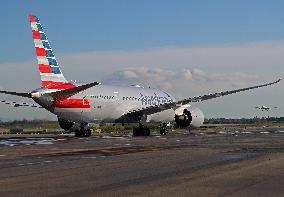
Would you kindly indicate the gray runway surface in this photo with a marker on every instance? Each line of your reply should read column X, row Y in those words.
column 216, row 164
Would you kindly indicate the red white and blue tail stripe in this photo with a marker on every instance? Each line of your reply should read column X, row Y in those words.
column 50, row 73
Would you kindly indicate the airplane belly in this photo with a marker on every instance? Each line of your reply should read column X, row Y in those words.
column 74, row 114
column 106, row 112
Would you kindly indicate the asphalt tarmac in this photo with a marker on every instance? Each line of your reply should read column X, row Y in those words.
column 238, row 163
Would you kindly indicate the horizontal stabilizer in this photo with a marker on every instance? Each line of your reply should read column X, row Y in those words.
column 28, row 95
column 63, row 94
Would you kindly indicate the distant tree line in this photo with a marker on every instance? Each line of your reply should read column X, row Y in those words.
column 254, row 120
column 25, row 122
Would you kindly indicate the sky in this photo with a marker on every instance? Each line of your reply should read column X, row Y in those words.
column 187, row 47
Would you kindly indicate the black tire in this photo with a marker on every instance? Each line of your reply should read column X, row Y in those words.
column 83, row 133
column 78, row 133
column 88, row 133
column 136, row 132
column 163, row 131
column 146, row 131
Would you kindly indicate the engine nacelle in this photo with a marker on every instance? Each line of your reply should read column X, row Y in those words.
column 188, row 115
column 65, row 124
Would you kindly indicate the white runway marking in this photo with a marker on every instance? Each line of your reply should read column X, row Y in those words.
column 114, row 137
column 35, row 163
column 247, row 132
column 47, row 161
column 102, row 156
column 89, row 157
column 27, row 141
column 2, row 155
column 61, row 139
column 264, row 132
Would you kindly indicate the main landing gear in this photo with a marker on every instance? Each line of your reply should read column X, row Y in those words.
column 141, row 130
column 163, row 129
column 83, row 131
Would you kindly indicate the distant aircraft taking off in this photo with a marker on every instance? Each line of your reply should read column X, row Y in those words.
column 262, row 108
column 77, row 105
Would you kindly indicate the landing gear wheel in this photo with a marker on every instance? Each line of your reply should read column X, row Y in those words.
column 83, row 133
column 163, row 130
column 79, row 133
column 88, row 132
column 136, row 131
column 146, row 131
column 141, row 130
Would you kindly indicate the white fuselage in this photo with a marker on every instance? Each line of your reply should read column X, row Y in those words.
column 105, row 103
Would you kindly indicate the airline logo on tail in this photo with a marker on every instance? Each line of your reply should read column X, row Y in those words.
column 51, row 75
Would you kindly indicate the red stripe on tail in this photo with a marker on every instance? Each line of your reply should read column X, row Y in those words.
column 36, row 34
column 40, row 52
column 32, row 18
column 44, row 68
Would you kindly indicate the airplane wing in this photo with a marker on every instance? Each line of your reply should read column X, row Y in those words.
column 216, row 95
column 20, row 104
column 61, row 94
column 173, row 105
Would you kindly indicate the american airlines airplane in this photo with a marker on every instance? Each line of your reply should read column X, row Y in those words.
column 77, row 105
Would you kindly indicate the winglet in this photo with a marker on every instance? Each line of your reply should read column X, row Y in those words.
column 279, row 79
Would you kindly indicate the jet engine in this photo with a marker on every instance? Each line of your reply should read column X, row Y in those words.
column 65, row 124
column 188, row 115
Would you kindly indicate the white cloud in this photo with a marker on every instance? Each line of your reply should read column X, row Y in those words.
column 187, row 74
column 246, row 55
column 178, row 80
